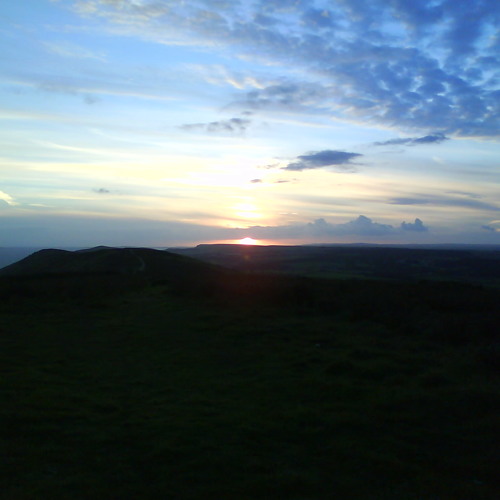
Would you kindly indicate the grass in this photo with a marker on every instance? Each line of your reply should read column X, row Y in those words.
column 153, row 395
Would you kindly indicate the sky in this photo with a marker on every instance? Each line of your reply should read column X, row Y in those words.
column 170, row 122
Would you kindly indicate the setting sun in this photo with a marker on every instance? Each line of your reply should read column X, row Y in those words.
column 248, row 241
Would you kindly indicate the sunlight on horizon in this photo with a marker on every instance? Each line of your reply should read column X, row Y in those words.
column 248, row 241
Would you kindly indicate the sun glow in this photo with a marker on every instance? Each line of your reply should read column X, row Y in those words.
column 248, row 241
column 246, row 210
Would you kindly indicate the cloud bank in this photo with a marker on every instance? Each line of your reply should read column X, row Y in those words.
column 362, row 227
column 56, row 231
column 429, row 65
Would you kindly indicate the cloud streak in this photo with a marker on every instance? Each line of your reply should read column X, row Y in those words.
column 321, row 159
column 231, row 126
column 445, row 201
column 414, row 141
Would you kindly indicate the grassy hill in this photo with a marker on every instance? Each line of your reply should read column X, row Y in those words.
column 135, row 373
column 154, row 264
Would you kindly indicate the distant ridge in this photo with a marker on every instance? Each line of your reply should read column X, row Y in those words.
column 468, row 263
column 415, row 246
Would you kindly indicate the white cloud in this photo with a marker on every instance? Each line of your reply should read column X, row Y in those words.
column 8, row 199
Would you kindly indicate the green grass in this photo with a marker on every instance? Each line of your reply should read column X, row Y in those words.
column 152, row 395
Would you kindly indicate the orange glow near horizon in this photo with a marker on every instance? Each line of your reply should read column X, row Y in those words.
column 248, row 241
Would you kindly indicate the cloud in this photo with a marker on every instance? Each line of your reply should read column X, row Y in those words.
column 231, row 126
column 414, row 141
column 361, row 227
column 60, row 87
column 320, row 159
column 488, row 228
column 270, row 166
column 446, row 201
column 289, row 96
column 465, row 193
column 59, row 231
column 319, row 18
column 417, row 226
column 73, row 51
column 91, row 84
column 7, row 199
column 391, row 63
column 427, row 66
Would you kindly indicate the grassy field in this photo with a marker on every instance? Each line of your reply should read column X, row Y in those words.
column 153, row 393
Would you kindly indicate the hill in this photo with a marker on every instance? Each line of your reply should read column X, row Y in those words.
column 108, row 260
column 138, row 373
column 96, row 273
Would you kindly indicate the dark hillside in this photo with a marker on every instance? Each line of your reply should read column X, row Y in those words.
column 478, row 266
column 137, row 373
column 129, row 261
column 102, row 271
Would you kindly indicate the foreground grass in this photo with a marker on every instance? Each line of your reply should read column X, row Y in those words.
column 152, row 395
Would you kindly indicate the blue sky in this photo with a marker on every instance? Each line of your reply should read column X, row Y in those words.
column 159, row 123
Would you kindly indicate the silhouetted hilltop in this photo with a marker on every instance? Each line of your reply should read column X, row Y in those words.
column 158, row 263
column 105, row 271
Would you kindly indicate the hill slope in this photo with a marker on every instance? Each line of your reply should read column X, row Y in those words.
column 159, row 264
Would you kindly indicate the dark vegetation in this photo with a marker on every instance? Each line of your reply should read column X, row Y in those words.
column 135, row 373
column 480, row 265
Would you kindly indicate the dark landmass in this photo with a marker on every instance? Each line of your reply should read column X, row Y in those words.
column 250, row 372
column 145, row 262
column 473, row 264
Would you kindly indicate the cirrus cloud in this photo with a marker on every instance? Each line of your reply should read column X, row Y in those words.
column 231, row 126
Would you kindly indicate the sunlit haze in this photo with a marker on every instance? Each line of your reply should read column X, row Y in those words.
column 248, row 241
column 164, row 123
